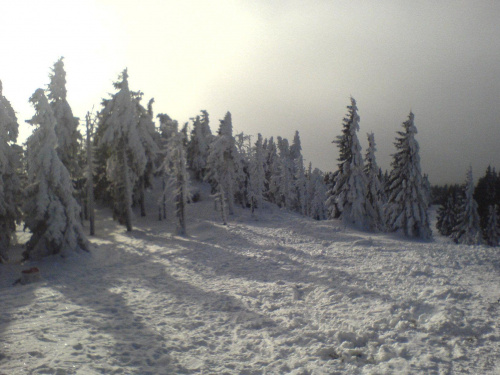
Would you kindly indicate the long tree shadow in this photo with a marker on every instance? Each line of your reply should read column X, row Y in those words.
column 114, row 305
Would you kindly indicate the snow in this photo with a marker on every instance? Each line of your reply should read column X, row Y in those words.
column 276, row 293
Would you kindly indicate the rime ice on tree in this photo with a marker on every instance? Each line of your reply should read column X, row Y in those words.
column 66, row 127
column 51, row 212
column 468, row 229
column 221, row 163
column 9, row 182
column 128, row 159
column 407, row 202
column 347, row 198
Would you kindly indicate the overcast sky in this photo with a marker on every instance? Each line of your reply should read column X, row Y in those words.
column 279, row 66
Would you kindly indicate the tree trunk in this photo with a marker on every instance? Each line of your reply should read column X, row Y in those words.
column 90, row 180
column 128, row 193
column 141, row 196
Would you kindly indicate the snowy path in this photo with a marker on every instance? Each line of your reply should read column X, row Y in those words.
column 281, row 294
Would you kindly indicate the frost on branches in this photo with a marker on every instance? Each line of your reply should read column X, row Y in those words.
column 197, row 152
column 492, row 231
column 407, row 202
column 52, row 214
column 175, row 170
column 347, row 198
column 257, row 175
column 222, row 168
column 375, row 189
column 128, row 159
column 9, row 181
column 66, row 127
column 468, row 227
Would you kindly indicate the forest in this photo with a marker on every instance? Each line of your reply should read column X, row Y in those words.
column 51, row 183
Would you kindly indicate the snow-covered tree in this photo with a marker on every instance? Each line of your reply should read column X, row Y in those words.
column 257, row 175
column 284, row 176
column 197, row 152
column 347, row 198
column 150, row 139
column 316, row 194
column 485, row 194
column 271, row 169
column 244, row 147
column 51, row 212
column 168, row 128
column 447, row 216
column 468, row 228
column 375, row 189
column 221, row 164
column 89, row 124
column 298, row 171
column 68, row 135
column 492, row 231
column 177, row 177
column 10, row 189
column 300, row 185
column 407, row 201
column 128, row 159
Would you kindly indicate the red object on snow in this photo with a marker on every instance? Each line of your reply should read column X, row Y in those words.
column 31, row 270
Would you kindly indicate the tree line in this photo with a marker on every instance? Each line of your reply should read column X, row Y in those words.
column 52, row 182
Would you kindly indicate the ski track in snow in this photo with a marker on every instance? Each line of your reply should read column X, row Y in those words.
column 275, row 294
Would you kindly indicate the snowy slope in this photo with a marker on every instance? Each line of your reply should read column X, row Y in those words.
column 273, row 295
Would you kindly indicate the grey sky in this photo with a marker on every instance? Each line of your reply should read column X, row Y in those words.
column 281, row 66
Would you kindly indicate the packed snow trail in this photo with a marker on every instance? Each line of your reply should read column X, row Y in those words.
column 275, row 294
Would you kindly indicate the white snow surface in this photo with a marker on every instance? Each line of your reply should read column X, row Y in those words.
column 273, row 294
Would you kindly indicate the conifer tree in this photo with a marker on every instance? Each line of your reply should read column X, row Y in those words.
column 51, row 212
column 89, row 123
column 316, row 194
column 221, row 163
column 407, row 201
column 298, row 170
column 271, row 169
column 492, row 231
column 284, row 177
column 68, row 135
column 485, row 194
column 176, row 172
column 128, row 157
column 347, row 198
column 468, row 228
column 257, row 175
column 150, row 139
column 10, row 189
column 375, row 189
column 447, row 216
column 197, row 152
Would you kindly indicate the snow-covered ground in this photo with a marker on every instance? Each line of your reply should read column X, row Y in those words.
column 275, row 294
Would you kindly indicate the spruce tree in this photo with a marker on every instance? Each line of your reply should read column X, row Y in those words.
column 468, row 229
column 150, row 140
column 257, row 175
column 485, row 194
column 198, row 145
column 407, row 201
column 316, row 194
column 447, row 216
column 347, row 198
column 492, row 231
column 177, row 177
column 127, row 155
column 375, row 189
column 51, row 212
column 68, row 135
column 221, row 164
column 10, row 189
